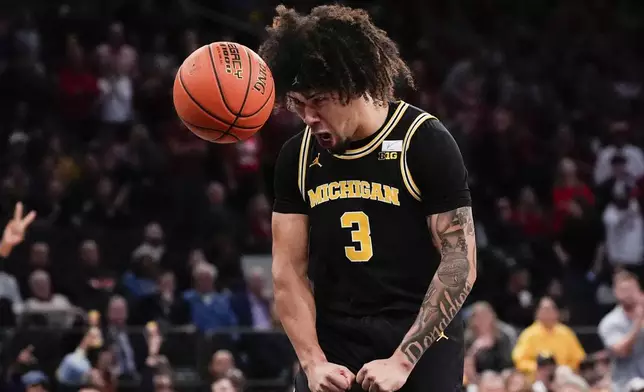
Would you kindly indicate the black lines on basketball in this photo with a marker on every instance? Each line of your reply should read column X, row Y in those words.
column 268, row 99
column 221, row 89
column 207, row 129
column 208, row 112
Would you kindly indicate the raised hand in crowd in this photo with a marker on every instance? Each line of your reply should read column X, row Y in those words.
column 14, row 231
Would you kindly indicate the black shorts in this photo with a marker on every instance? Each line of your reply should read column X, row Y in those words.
column 355, row 342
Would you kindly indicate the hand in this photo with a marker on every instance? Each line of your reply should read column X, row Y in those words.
column 329, row 377
column 154, row 338
column 14, row 232
column 383, row 375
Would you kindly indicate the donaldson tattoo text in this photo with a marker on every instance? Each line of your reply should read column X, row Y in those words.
column 450, row 287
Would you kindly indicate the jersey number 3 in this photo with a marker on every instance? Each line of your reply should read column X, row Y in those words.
column 358, row 221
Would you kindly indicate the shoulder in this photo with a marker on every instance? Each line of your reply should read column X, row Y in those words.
column 59, row 299
column 294, row 144
column 566, row 330
column 530, row 331
column 426, row 131
column 189, row 295
column 611, row 320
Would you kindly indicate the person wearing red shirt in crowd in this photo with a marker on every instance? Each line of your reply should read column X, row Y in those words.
column 529, row 214
column 568, row 187
column 78, row 88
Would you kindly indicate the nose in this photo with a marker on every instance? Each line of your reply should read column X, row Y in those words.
column 310, row 116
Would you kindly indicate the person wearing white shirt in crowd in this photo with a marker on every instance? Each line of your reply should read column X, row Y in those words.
column 116, row 94
column 57, row 309
column 624, row 227
column 633, row 154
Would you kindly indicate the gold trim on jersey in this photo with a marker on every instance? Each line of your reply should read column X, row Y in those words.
column 303, row 162
column 411, row 186
column 377, row 141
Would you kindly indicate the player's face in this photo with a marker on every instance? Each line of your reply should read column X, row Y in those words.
column 332, row 122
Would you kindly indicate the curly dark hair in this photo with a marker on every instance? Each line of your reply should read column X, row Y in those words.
column 333, row 49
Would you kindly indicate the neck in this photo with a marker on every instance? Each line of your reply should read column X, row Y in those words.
column 548, row 326
column 371, row 119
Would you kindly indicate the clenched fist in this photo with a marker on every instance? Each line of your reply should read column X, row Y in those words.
column 329, row 377
column 383, row 375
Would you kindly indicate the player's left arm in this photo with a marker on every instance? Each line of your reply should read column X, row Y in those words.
column 435, row 174
column 439, row 176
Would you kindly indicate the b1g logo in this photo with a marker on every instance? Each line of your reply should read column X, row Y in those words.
column 232, row 59
column 387, row 155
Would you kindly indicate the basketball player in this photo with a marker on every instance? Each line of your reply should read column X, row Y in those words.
column 372, row 205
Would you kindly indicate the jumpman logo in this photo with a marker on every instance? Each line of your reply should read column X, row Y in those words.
column 442, row 336
column 316, row 161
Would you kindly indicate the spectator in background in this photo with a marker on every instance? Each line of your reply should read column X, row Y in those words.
column 116, row 332
column 224, row 385
column 548, row 335
column 621, row 330
column 24, row 362
column 116, row 52
column 164, row 306
column 491, row 382
column 163, row 383
column 252, row 307
column 209, row 310
column 56, row 308
column 10, row 297
column 578, row 247
column 11, row 303
column 517, row 382
column 77, row 91
column 568, row 187
column 624, row 228
column 515, row 304
column 259, row 225
column 153, row 242
column 76, row 368
column 619, row 179
column 529, row 214
column 544, row 376
column 39, row 259
column 216, row 216
column 156, row 375
column 35, row 381
column 140, row 280
column 573, row 383
column 94, row 282
column 486, row 339
column 633, row 155
column 221, row 364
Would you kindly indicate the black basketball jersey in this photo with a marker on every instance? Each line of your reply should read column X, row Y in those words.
column 370, row 249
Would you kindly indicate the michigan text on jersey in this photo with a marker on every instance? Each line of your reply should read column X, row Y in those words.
column 353, row 189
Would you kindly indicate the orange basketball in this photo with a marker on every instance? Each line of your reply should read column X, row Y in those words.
column 224, row 92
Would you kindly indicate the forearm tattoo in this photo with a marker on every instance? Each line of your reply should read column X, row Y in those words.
column 453, row 231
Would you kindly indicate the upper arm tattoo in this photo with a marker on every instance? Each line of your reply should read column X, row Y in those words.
column 453, row 234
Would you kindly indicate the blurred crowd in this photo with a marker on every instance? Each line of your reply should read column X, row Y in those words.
column 131, row 277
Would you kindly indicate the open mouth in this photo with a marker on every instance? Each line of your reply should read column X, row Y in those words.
column 324, row 138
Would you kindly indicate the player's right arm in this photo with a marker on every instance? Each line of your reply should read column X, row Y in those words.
column 292, row 290
column 293, row 296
